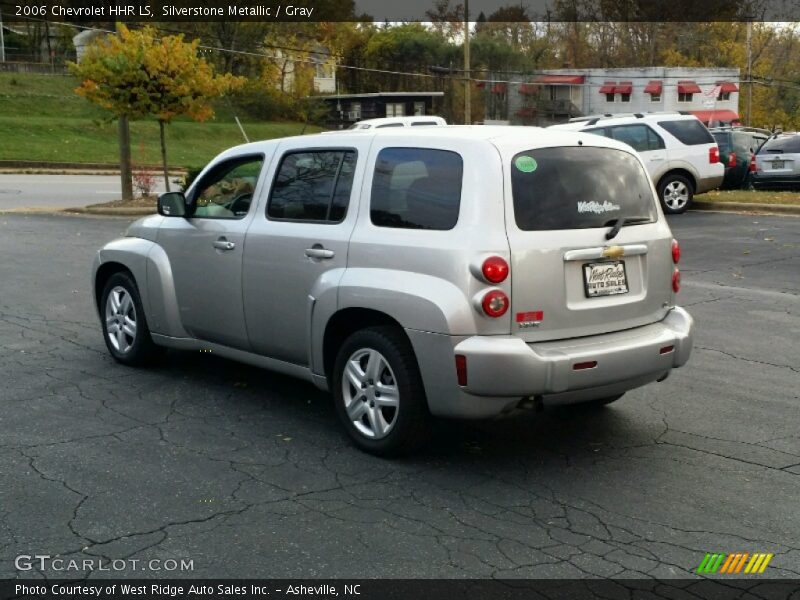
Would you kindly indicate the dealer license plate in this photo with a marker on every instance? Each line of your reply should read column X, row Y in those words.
column 605, row 279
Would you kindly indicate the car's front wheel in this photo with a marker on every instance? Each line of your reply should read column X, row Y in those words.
column 378, row 392
column 676, row 193
column 125, row 328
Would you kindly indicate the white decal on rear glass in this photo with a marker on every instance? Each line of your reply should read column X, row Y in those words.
column 596, row 207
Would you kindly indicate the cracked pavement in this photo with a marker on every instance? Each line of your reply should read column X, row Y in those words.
column 248, row 474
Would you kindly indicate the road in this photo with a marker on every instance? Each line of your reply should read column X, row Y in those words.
column 59, row 191
column 247, row 473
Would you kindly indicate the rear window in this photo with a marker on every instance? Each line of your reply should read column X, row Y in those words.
column 578, row 188
column 416, row 188
column 784, row 144
column 723, row 141
column 690, row 131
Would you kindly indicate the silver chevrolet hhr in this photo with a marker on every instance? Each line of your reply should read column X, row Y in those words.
column 441, row 272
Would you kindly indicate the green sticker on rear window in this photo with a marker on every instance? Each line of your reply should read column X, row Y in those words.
column 526, row 164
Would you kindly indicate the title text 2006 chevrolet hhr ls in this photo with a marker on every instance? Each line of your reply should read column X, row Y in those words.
column 451, row 272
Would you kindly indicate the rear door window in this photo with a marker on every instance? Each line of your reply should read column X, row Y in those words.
column 689, row 131
column 416, row 188
column 578, row 188
column 640, row 137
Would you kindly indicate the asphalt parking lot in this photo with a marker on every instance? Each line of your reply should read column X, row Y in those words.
column 247, row 473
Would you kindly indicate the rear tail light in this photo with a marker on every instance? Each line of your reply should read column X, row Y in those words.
column 495, row 269
column 753, row 167
column 713, row 155
column 495, row 303
column 461, row 369
column 676, row 251
column 676, row 281
column 732, row 159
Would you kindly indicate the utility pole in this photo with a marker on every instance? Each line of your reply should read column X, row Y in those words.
column 126, row 177
column 467, row 86
column 749, row 71
column 2, row 40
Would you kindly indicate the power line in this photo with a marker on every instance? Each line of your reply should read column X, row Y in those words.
column 543, row 72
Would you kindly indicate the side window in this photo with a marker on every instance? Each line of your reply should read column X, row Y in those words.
column 654, row 140
column 313, row 186
column 226, row 191
column 416, row 188
column 640, row 137
column 688, row 131
column 744, row 143
column 599, row 131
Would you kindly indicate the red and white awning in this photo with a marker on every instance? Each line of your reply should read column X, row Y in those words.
column 654, row 87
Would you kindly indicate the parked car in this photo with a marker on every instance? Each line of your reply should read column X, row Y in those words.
column 777, row 163
column 681, row 155
column 737, row 147
column 416, row 121
column 463, row 272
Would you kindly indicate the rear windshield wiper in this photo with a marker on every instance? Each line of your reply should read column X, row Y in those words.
column 621, row 222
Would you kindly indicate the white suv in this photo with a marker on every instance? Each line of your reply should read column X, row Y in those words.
column 418, row 121
column 681, row 155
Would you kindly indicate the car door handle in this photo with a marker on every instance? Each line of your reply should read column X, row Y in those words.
column 224, row 245
column 319, row 252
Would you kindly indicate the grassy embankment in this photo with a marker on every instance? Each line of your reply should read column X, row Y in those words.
column 748, row 197
column 42, row 119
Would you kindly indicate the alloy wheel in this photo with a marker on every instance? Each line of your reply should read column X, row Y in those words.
column 370, row 392
column 120, row 319
column 676, row 195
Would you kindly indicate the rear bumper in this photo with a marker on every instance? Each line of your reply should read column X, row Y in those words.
column 706, row 184
column 775, row 181
column 504, row 373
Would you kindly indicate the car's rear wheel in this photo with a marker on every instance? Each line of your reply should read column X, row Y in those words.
column 378, row 392
column 125, row 329
column 676, row 193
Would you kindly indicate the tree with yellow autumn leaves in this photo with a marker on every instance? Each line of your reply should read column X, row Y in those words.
column 138, row 73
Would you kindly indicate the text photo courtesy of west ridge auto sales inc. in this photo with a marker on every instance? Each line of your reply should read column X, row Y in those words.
column 434, row 299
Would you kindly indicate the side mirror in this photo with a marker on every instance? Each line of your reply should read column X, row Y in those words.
column 172, row 204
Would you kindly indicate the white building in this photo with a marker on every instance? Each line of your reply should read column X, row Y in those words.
column 558, row 94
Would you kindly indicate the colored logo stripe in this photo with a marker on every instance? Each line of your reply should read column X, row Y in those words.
column 733, row 563
column 758, row 563
column 711, row 563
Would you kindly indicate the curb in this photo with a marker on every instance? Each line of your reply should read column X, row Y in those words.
column 113, row 212
column 43, row 165
column 788, row 209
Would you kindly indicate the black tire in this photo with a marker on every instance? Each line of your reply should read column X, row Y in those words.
column 667, row 193
column 411, row 420
column 142, row 350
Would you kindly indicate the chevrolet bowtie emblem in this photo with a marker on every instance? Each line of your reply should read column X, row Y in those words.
column 613, row 252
